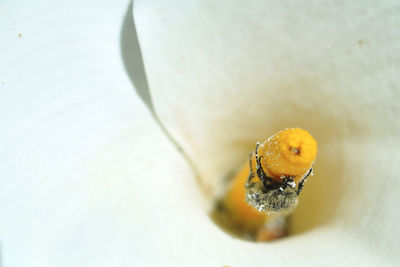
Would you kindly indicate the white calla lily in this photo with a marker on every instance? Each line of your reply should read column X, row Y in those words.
column 89, row 179
column 224, row 75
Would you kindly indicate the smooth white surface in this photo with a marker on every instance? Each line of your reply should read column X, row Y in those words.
column 89, row 179
column 81, row 184
column 225, row 74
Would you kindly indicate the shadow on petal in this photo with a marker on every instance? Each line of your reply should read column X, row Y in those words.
column 133, row 62
column 132, row 58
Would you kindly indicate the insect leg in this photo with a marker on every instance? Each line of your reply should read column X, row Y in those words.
column 251, row 174
column 301, row 184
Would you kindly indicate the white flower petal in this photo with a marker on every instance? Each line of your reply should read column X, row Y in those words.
column 87, row 176
column 225, row 74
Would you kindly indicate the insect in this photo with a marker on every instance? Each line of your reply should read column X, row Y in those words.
column 268, row 195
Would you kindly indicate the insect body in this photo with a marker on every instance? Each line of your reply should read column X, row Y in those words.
column 269, row 195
